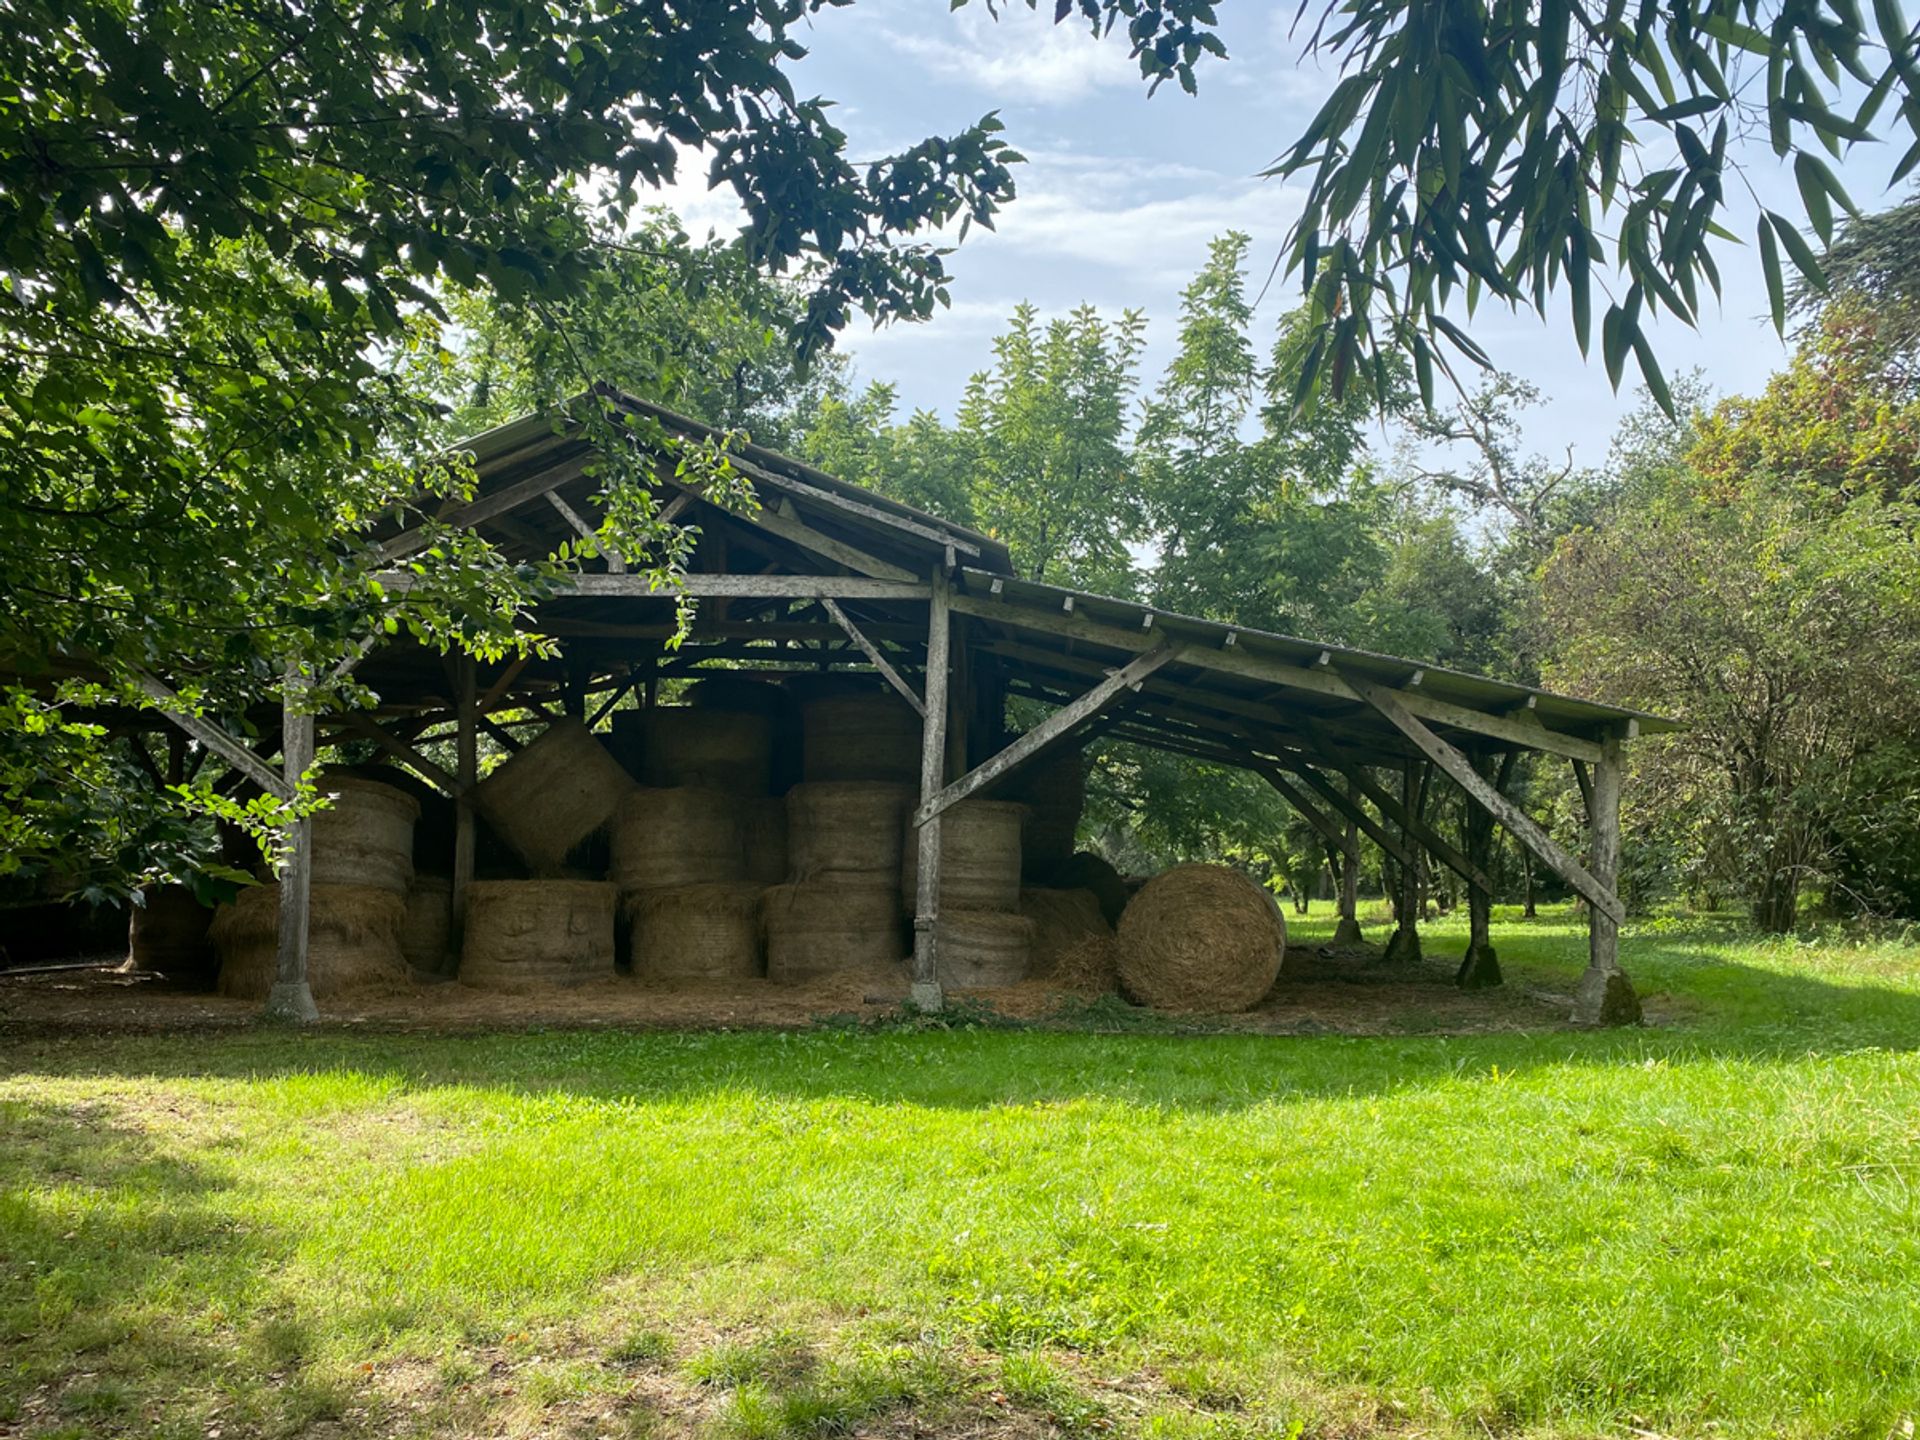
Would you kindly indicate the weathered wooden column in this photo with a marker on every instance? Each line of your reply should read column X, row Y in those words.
column 290, row 998
column 1480, row 967
column 1605, row 995
column 925, row 990
column 1404, row 943
column 1347, row 932
column 466, row 771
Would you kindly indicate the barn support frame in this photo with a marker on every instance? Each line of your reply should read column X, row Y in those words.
column 290, row 1000
column 925, row 987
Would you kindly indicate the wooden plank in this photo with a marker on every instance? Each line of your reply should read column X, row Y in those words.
column 1305, row 808
column 364, row 727
column 943, row 538
column 467, row 763
column 797, row 532
column 1436, row 844
column 933, row 758
column 213, row 737
column 1048, row 732
column 485, row 507
column 875, row 655
column 798, row 587
column 501, row 685
column 1461, row 769
column 1355, row 812
column 1313, row 679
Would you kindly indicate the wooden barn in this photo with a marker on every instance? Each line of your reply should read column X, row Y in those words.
column 920, row 633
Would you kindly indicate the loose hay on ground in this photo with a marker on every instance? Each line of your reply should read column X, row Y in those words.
column 1200, row 937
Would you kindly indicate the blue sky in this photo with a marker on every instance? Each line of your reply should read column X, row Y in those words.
column 1123, row 192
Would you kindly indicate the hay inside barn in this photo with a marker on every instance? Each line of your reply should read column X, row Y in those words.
column 532, row 933
column 697, row 932
column 1200, row 937
column 552, row 795
column 353, row 946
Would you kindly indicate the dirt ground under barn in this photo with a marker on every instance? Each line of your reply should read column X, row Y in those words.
column 1349, row 993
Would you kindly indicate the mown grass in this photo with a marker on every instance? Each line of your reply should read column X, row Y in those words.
column 1704, row 1228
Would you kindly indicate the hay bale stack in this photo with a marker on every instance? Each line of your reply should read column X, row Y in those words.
column 847, row 833
column 1200, row 937
column 365, row 835
column 426, row 934
column 524, row 934
column 763, row 838
column 689, row 835
column 730, row 750
column 552, row 795
column 741, row 694
column 815, row 930
column 167, row 935
column 979, row 856
column 1064, row 921
column 353, row 940
column 1054, row 790
column 982, row 949
column 873, row 736
column 1087, row 871
column 697, row 932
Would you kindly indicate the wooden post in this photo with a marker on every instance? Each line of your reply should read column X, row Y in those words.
column 1347, row 932
column 933, row 757
column 466, row 771
column 1605, row 995
column 1480, row 967
column 290, row 999
column 1404, row 944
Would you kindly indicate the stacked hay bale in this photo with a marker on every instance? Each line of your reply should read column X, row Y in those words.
column 527, row 934
column 426, row 934
column 353, row 940
column 984, row 940
column 1200, row 937
column 552, row 796
column 362, row 849
column 840, row 909
column 868, row 735
column 680, row 865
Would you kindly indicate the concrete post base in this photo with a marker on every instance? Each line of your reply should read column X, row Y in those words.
column 1347, row 932
column 1605, row 997
column 1480, row 970
column 1403, row 946
column 926, row 997
column 290, row 1002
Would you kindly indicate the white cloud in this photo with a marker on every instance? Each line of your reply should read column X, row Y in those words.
column 1023, row 57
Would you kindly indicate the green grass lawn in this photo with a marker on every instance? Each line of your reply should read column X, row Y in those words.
column 1708, row 1228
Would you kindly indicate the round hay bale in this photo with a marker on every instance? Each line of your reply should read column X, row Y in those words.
column 1087, row 871
column 979, row 856
column 1063, row 921
column 847, row 832
column 426, row 934
column 553, row 794
column 167, row 935
column 1054, row 790
column 763, row 835
column 365, row 835
column 1089, row 966
column 697, row 932
column 353, row 940
column 982, row 949
column 683, row 836
column 860, row 737
column 1200, row 937
column 728, row 750
column 524, row 934
column 817, row 930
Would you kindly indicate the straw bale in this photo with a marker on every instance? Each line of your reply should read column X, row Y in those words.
column 873, row 736
column 697, row 932
column 353, row 940
column 167, row 934
column 764, row 838
column 1200, row 937
column 426, row 935
column 979, row 856
column 525, row 934
column 814, row 930
column 719, row 749
column 1063, row 920
column 981, row 949
column 687, row 835
column 847, row 832
column 553, row 794
column 365, row 835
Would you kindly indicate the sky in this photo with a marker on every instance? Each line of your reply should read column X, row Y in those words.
column 1123, row 191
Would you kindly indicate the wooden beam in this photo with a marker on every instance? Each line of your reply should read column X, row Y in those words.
column 1390, row 704
column 795, row 531
column 1049, row 731
column 485, row 507
column 467, row 763
column 1304, row 807
column 1311, row 678
column 366, row 729
column 1355, row 812
column 874, row 654
column 1415, row 825
column 944, row 538
column 580, row 527
column 933, row 758
column 213, row 737
column 803, row 587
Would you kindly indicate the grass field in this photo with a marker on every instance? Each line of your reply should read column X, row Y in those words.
column 1705, row 1229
